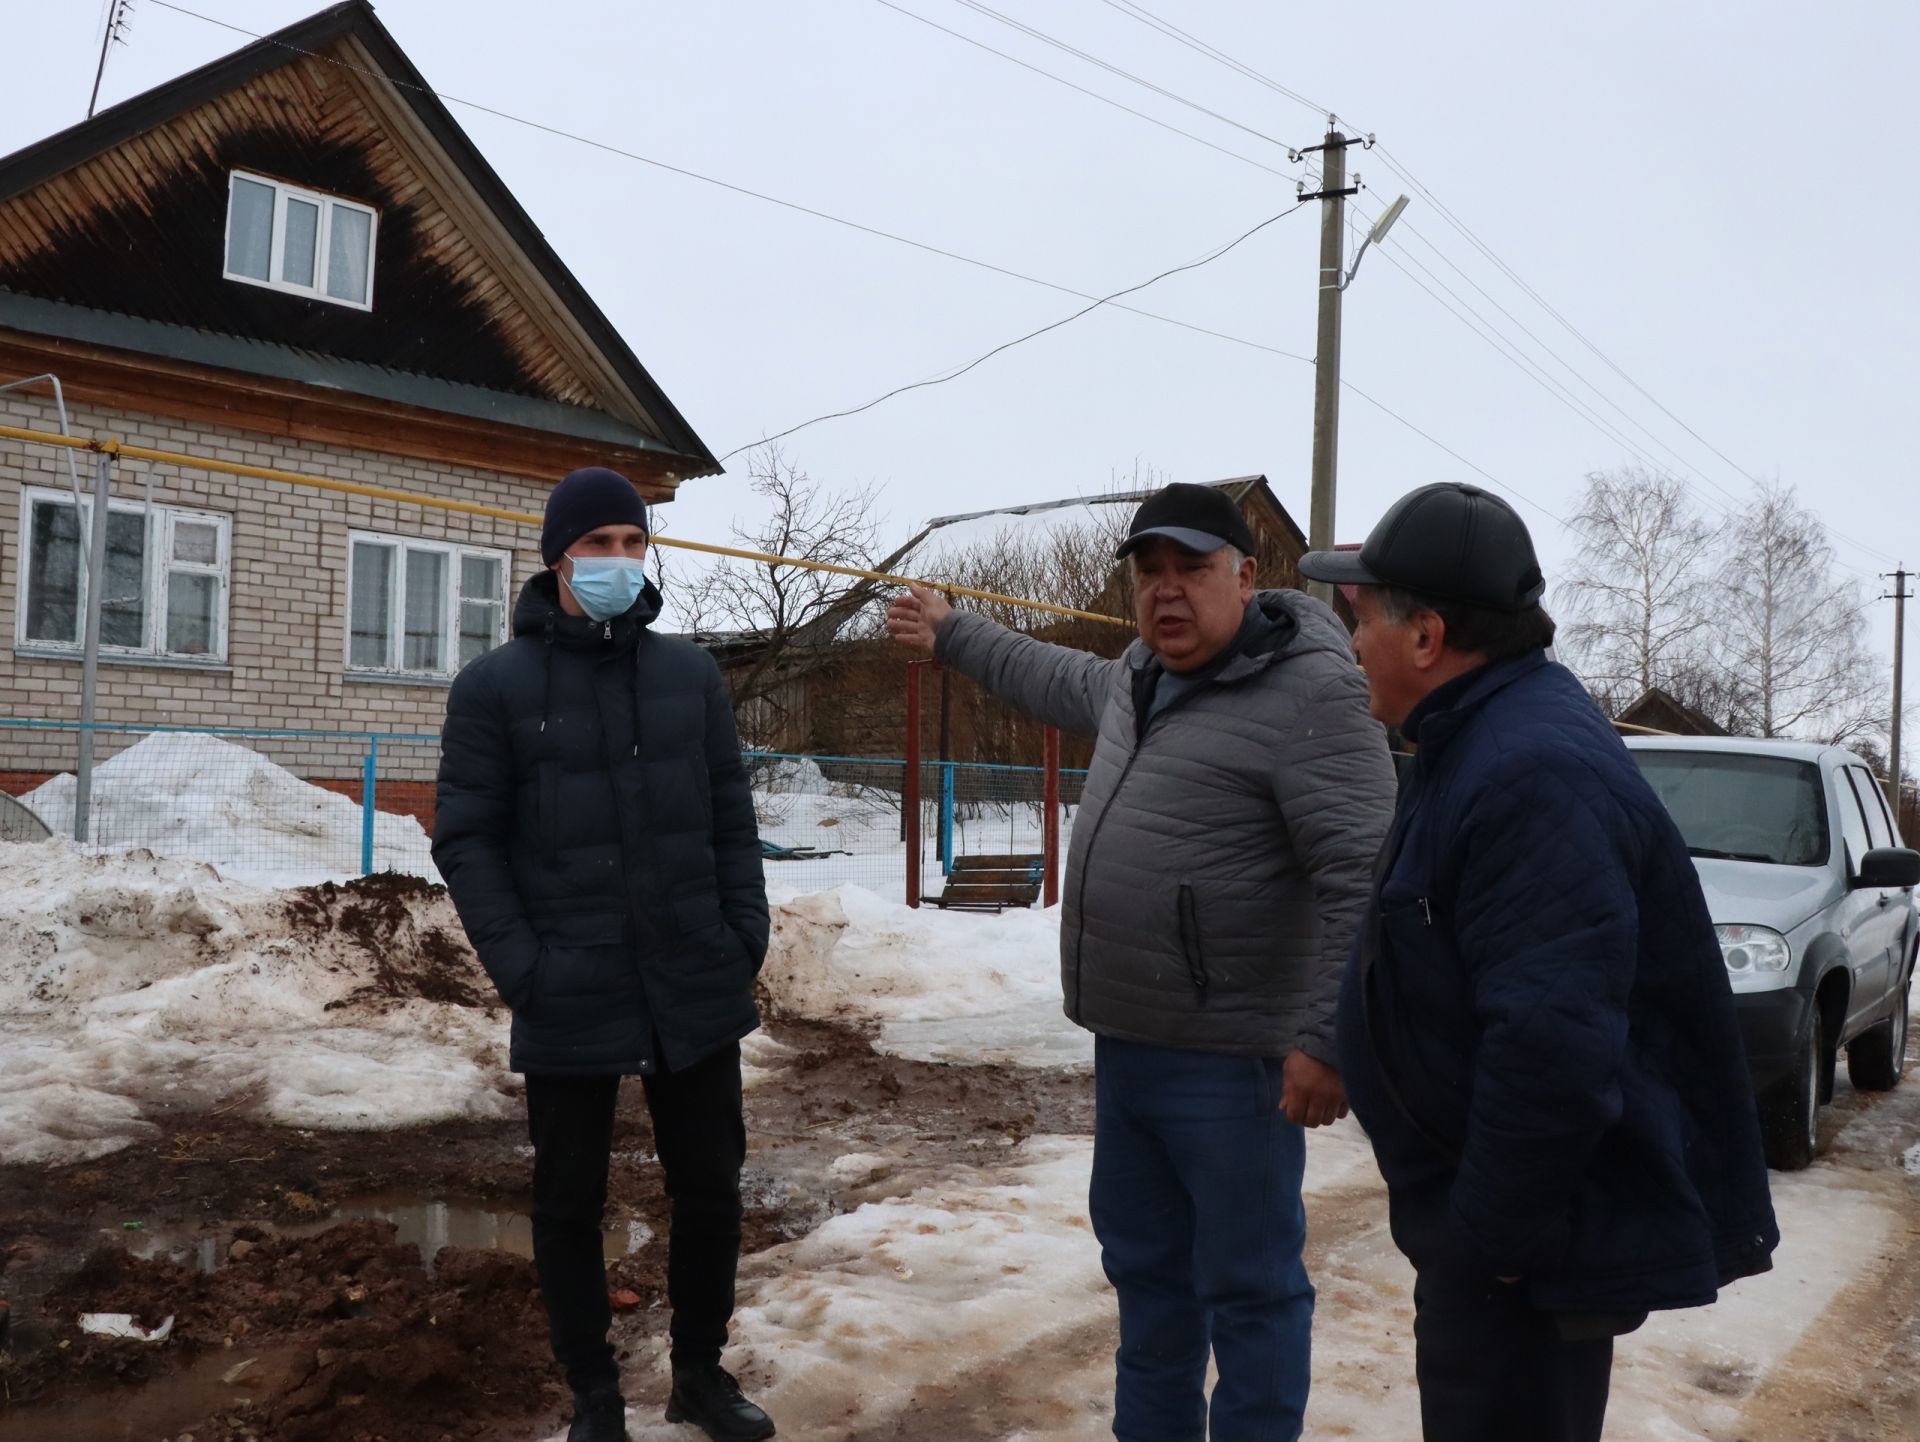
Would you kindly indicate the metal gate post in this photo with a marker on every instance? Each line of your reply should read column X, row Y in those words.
column 910, row 787
column 1050, row 827
column 369, row 780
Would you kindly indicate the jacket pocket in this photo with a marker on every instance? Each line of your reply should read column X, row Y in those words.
column 1191, row 949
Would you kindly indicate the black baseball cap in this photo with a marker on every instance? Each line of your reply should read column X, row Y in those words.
column 1449, row 541
column 1200, row 518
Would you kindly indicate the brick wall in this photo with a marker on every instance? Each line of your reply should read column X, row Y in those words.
column 287, row 600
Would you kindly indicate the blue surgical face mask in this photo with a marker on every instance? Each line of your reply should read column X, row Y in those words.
column 606, row 586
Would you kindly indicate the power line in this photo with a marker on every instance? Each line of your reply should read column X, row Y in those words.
column 1018, row 340
column 1093, row 94
column 1473, row 466
column 1146, row 17
column 861, row 227
column 1025, row 29
column 747, row 191
column 1512, row 353
column 1399, row 168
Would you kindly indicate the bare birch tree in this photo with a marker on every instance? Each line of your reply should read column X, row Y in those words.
column 1794, row 634
column 1634, row 600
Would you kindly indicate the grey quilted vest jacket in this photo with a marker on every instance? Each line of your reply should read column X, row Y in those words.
column 1223, row 851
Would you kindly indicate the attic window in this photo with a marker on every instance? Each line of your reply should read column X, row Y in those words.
column 300, row 241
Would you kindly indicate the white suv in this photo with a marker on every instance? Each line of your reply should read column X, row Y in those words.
column 1811, row 891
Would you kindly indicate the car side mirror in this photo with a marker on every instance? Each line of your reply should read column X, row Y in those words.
column 1889, row 866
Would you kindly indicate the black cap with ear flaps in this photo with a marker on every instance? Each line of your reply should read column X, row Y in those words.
column 1449, row 541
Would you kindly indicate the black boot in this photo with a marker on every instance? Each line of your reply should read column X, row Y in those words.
column 598, row 1416
column 706, row 1395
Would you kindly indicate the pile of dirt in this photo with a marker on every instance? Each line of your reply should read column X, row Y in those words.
column 406, row 931
column 363, row 1342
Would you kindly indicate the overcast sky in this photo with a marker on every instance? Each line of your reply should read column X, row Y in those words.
column 1718, row 195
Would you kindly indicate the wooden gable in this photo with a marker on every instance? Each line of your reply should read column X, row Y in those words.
column 126, row 216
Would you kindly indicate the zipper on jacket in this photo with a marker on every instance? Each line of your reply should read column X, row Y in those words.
column 1086, row 858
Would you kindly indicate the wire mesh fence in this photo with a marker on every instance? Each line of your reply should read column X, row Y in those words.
column 828, row 821
column 277, row 807
column 282, row 807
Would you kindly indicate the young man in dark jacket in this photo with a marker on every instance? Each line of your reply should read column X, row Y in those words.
column 1536, row 1030
column 596, row 830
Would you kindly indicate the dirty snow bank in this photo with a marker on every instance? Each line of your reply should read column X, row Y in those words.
column 191, row 795
column 947, row 1288
column 132, row 983
column 963, row 987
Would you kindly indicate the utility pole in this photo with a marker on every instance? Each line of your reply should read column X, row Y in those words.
column 1333, row 194
column 1899, row 598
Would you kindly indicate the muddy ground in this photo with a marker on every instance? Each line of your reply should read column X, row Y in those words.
column 340, row 1329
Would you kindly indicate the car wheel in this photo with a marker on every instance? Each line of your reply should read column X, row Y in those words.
column 1790, row 1112
column 1876, row 1060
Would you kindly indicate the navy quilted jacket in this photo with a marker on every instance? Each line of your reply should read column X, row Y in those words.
column 1537, row 1030
column 595, row 827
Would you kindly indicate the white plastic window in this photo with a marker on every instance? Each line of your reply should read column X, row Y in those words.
column 285, row 238
column 422, row 608
column 166, row 578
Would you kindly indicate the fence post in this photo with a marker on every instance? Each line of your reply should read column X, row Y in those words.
column 910, row 787
column 946, row 818
column 369, row 779
column 1050, row 827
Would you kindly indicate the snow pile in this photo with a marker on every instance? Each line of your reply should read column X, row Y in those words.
column 944, row 1290
column 961, row 987
column 132, row 984
column 190, row 795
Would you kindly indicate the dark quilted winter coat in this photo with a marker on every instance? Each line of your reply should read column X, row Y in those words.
column 595, row 827
column 1222, row 848
column 1537, row 1032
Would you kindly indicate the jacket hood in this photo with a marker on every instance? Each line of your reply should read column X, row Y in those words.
column 538, row 613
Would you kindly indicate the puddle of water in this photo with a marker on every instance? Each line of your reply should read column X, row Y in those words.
column 165, row 1407
column 427, row 1224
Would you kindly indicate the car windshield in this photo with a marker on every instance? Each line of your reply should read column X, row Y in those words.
column 1742, row 808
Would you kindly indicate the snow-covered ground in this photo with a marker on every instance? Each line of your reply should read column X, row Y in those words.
column 943, row 986
column 133, row 983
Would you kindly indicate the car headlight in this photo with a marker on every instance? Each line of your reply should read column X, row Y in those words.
column 1747, row 949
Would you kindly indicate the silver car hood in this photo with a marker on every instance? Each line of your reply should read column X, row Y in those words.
column 1755, row 893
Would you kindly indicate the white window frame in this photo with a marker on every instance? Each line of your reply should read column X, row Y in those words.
column 453, row 552
column 277, row 241
column 159, row 568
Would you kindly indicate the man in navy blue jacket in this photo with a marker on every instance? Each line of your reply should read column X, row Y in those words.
column 1536, row 1029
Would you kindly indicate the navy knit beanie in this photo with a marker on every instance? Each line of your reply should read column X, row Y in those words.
column 586, row 500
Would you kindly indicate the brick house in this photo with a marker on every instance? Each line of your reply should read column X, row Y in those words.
column 291, row 258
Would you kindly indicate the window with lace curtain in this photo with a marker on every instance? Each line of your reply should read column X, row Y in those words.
column 290, row 239
column 422, row 608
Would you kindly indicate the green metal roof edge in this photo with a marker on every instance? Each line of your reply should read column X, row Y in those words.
column 289, row 363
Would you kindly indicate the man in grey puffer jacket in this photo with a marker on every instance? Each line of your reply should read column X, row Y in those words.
column 1220, row 864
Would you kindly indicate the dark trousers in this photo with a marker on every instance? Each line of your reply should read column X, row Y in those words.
column 1196, row 1202
column 701, row 1138
column 1493, row 1369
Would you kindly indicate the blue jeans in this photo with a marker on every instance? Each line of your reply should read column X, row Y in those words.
column 1196, row 1202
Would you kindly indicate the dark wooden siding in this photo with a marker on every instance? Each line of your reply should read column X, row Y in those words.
column 140, row 230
